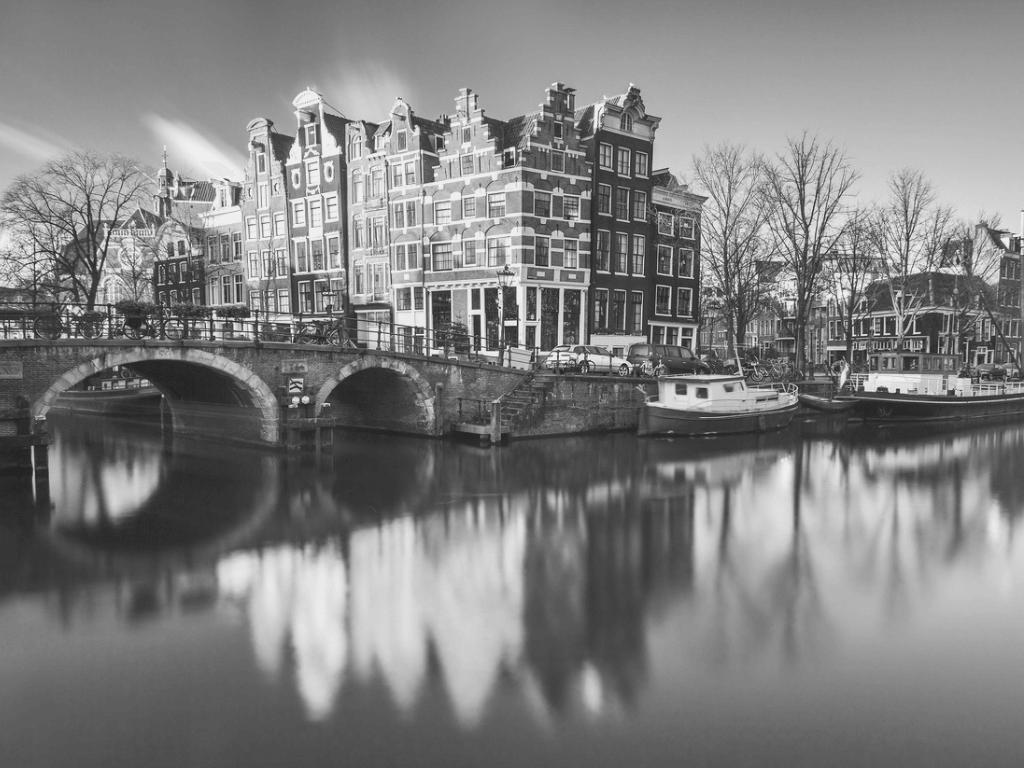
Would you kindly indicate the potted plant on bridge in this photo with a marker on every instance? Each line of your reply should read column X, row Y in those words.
column 188, row 314
column 134, row 311
column 231, row 312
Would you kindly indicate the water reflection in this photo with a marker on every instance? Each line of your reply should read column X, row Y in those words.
column 581, row 578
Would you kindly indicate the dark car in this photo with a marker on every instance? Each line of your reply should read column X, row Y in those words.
column 990, row 371
column 674, row 359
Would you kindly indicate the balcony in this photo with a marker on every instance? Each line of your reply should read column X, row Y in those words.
column 374, row 203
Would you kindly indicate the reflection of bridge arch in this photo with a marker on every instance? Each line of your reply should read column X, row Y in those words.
column 421, row 390
column 150, row 361
column 242, row 534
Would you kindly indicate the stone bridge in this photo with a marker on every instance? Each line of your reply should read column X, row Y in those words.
column 241, row 390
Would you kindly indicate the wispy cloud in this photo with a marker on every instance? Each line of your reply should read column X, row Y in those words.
column 365, row 93
column 36, row 145
column 191, row 150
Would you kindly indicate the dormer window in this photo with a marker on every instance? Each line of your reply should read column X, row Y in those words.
column 626, row 123
column 439, row 143
column 311, row 134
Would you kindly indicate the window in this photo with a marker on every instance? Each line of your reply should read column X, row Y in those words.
column 604, row 157
column 357, row 232
column 360, row 281
column 305, row 296
column 572, row 254
column 665, row 224
column 316, row 215
column 622, row 204
column 211, row 248
column 542, row 256
column 225, row 247
column 604, row 199
column 261, row 162
column 618, row 311
column 410, row 213
column 542, row 204
column 312, row 173
column 310, row 130
column 641, row 163
column 376, row 231
column 686, row 262
column 559, row 129
column 601, row 309
column 299, row 213
column 662, row 300
column 376, row 182
column 496, row 205
column 469, row 207
column 442, row 256
column 684, row 301
column 621, row 251
column 623, row 166
column 639, row 205
column 686, row 227
column 403, row 299
column 410, row 173
column 262, row 195
column 239, row 289
column 497, row 251
column 636, row 311
column 331, row 205
column 417, row 298
column 443, row 213
column 603, row 251
column 467, row 135
column 664, row 259
column 281, row 262
column 328, row 171
column 466, row 164
column 398, row 215
column 356, row 148
column 401, row 141
column 558, row 161
column 639, row 254
column 626, row 122
column 278, row 223
column 316, row 253
column 266, row 266
column 357, row 187
column 300, row 256
column 396, row 175
column 236, row 246
column 571, row 207
column 250, row 228
column 469, row 253
column 265, row 229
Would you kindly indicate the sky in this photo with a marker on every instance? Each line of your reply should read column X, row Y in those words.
column 925, row 84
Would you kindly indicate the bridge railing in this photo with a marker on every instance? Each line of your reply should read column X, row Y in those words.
column 239, row 324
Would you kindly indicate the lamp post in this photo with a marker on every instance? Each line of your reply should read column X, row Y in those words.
column 505, row 276
column 328, row 299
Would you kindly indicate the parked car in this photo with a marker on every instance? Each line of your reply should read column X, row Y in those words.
column 586, row 359
column 990, row 371
column 674, row 359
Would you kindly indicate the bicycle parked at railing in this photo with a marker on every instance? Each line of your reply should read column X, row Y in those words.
column 754, row 370
column 88, row 325
column 327, row 332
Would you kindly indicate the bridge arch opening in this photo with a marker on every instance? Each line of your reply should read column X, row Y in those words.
column 207, row 394
column 381, row 394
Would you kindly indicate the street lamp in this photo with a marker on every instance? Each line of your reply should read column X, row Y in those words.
column 505, row 276
column 328, row 299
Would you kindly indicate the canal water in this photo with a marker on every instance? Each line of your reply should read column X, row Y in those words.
column 796, row 599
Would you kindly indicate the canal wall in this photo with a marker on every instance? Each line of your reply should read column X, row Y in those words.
column 580, row 404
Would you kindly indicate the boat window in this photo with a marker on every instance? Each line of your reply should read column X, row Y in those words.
column 702, row 393
column 729, row 387
column 680, row 389
column 910, row 363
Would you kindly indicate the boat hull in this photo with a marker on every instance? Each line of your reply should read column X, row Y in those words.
column 815, row 404
column 657, row 419
column 137, row 401
column 890, row 407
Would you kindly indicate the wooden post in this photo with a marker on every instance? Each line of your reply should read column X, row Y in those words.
column 495, row 422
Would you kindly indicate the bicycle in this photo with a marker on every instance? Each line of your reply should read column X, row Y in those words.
column 752, row 370
column 138, row 328
column 53, row 326
column 652, row 368
column 324, row 332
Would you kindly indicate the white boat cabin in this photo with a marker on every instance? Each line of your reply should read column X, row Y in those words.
column 714, row 391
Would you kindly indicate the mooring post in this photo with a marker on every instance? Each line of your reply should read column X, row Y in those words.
column 495, row 422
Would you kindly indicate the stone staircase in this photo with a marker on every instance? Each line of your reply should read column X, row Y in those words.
column 521, row 404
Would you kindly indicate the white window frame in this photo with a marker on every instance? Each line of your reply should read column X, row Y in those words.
column 298, row 213
column 603, row 151
column 668, row 291
column 662, row 249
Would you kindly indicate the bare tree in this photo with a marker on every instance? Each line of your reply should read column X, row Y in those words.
column 807, row 187
column 733, row 233
column 66, row 213
column 910, row 232
column 849, row 271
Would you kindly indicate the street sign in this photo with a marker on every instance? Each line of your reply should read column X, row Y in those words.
column 296, row 385
column 294, row 366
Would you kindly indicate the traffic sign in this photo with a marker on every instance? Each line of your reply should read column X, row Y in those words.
column 295, row 386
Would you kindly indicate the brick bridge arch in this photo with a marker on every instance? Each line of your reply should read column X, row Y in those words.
column 426, row 401
column 261, row 396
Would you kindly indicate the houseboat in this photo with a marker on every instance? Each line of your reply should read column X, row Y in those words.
column 936, row 396
column 116, row 392
column 715, row 405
